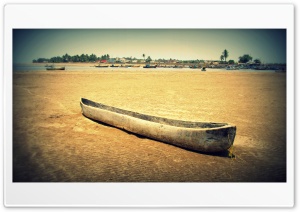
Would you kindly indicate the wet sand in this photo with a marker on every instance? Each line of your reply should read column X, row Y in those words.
column 54, row 142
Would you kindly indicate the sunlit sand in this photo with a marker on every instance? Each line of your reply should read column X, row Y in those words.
column 54, row 142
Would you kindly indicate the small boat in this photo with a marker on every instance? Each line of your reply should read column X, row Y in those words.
column 99, row 66
column 232, row 68
column 125, row 66
column 114, row 66
column 204, row 137
column 178, row 66
column 52, row 68
column 148, row 66
column 195, row 67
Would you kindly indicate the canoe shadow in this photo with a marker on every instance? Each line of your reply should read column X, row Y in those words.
column 224, row 154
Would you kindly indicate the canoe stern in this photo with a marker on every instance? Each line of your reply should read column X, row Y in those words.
column 221, row 139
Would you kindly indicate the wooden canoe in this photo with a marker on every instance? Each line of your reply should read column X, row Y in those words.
column 205, row 137
column 104, row 66
column 52, row 68
column 149, row 66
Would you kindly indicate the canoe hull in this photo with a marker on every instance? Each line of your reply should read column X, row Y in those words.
column 101, row 66
column 55, row 68
column 215, row 139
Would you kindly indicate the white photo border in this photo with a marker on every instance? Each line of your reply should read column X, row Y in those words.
column 204, row 16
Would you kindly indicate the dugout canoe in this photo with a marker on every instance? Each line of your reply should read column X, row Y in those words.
column 148, row 66
column 205, row 137
column 99, row 66
column 53, row 68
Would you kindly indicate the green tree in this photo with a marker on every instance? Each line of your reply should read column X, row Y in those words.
column 105, row 57
column 41, row 60
column 225, row 54
column 75, row 58
column 56, row 59
column 222, row 57
column 257, row 61
column 84, row 58
column 92, row 58
column 245, row 58
column 230, row 61
column 66, row 58
column 148, row 60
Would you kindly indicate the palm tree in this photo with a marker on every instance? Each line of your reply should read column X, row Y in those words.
column 225, row 54
column 144, row 56
column 222, row 57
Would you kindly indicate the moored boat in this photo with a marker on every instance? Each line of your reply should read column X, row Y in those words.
column 149, row 66
column 231, row 67
column 206, row 137
column 125, row 66
column 101, row 66
column 114, row 66
column 178, row 66
column 195, row 67
column 52, row 68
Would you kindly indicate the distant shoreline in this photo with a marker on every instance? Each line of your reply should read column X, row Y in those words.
column 266, row 66
column 60, row 64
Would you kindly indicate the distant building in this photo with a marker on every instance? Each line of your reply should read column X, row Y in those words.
column 212, row 62
column 172, row 61
column 122, row 60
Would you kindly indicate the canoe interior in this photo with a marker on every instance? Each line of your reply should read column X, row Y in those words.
column 172, row 122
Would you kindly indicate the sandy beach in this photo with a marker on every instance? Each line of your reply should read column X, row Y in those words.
column 54, row 142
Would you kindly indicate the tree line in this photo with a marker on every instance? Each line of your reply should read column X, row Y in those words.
column 74, row 58
column 242, row 59
column 93, row 58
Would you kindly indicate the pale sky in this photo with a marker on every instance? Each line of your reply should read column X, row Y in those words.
column 268, row 45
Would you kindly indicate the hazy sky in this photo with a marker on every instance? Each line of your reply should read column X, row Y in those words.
column 268, row 45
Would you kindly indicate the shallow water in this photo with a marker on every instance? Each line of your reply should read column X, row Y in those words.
column 84, row 67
